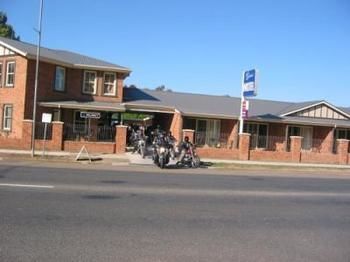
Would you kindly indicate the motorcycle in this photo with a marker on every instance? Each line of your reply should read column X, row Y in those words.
column 191, row 159
column 141, row 146
column 161, row 152
column 139, row 143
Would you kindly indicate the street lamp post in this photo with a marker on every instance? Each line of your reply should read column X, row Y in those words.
column 36, row 76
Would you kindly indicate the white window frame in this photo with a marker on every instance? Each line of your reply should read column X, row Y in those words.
column 114, row 83
column 63, row 80
column 95, row 83
column 8, row 73
column 6, row 117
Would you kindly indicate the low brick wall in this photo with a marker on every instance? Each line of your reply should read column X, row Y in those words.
column 50, row 145
column 319, row 158
column 12, row 143
column 219, row 153
column 92, row 147
column 278, row 156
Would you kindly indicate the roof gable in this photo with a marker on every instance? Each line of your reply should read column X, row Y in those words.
column 320, row 109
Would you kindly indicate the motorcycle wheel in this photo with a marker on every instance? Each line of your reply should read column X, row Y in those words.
column 161, row 162
column 142, row 152
column 196, row 162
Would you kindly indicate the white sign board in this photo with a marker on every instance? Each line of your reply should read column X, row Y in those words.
column 46, row 118
column 95, row 115
column 249, row 83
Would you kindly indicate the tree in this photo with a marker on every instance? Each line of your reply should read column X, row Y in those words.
column 6, row 30
column 130, row 86
column 162, row 88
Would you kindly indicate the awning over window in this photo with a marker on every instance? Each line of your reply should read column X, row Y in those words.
column 91, row 105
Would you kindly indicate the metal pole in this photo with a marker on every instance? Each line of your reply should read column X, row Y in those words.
column 36, row 76
column 45, row 130
column 241, row 120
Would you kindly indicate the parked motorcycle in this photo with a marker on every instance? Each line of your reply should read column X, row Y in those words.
column 191, row 159
column 161, row 151
column 139, row 143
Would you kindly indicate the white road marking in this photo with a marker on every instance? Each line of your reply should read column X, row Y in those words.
column 24, row 185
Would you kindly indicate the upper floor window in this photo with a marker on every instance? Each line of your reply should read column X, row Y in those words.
column 10, row 74
column 89, row 84
column 109, row 83
column 60, row 78
column 7, row 118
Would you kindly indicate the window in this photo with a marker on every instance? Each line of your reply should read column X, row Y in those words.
column 342, row 134
column 80, row 124
column 305, row 132
column 10, row 74
column 60, row 78
column 7, row 118
column 109, row 83
column 259, row 134
column 0, row 74
column 207, row 131
column 89, row 86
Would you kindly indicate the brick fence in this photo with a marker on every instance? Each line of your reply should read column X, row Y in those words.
column 57, row 143
column 296, row 154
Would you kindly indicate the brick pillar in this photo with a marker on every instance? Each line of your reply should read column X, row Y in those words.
column 120, row 139
column 233, row 137
column 189, row 133
column 57, row 135
column 244, row 146
column 176, row 126
column 343, row 151
column 27, row 133
column 295, row 148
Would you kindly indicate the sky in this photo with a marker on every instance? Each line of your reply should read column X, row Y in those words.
column 301, row 48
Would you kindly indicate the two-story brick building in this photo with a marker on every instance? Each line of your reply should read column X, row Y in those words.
column 71, row 83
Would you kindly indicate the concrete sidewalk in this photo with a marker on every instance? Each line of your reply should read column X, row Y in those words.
column 134, row 158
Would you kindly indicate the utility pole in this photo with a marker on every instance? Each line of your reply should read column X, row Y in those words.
column 36, row 75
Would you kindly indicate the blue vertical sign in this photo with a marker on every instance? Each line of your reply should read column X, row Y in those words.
column 249, row 84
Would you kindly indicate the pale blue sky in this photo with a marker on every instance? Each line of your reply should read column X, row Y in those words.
column 301, row 48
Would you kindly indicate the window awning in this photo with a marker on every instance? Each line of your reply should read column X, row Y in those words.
column 91, row 105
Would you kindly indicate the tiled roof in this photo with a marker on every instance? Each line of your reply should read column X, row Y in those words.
column 66, row 57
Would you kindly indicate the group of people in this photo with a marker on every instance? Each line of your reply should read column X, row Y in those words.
column 155, row 135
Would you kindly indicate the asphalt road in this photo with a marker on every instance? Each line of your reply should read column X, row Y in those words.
column 63, row 214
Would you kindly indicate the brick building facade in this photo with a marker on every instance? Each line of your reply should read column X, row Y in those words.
column 71, row 84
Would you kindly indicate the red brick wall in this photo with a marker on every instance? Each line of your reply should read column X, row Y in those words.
column 260, row 155
column 92, row 147
column 176, row 126
column 120, row 139
column 13, row 95
column 320, row 158
column 230, row 127
column 218, row 153
column 11, row 143
column 277, row 134
column 324, row 139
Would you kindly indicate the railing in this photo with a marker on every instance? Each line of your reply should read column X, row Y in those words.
column 40, row 131
column 84, row 133
column 202, row 138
